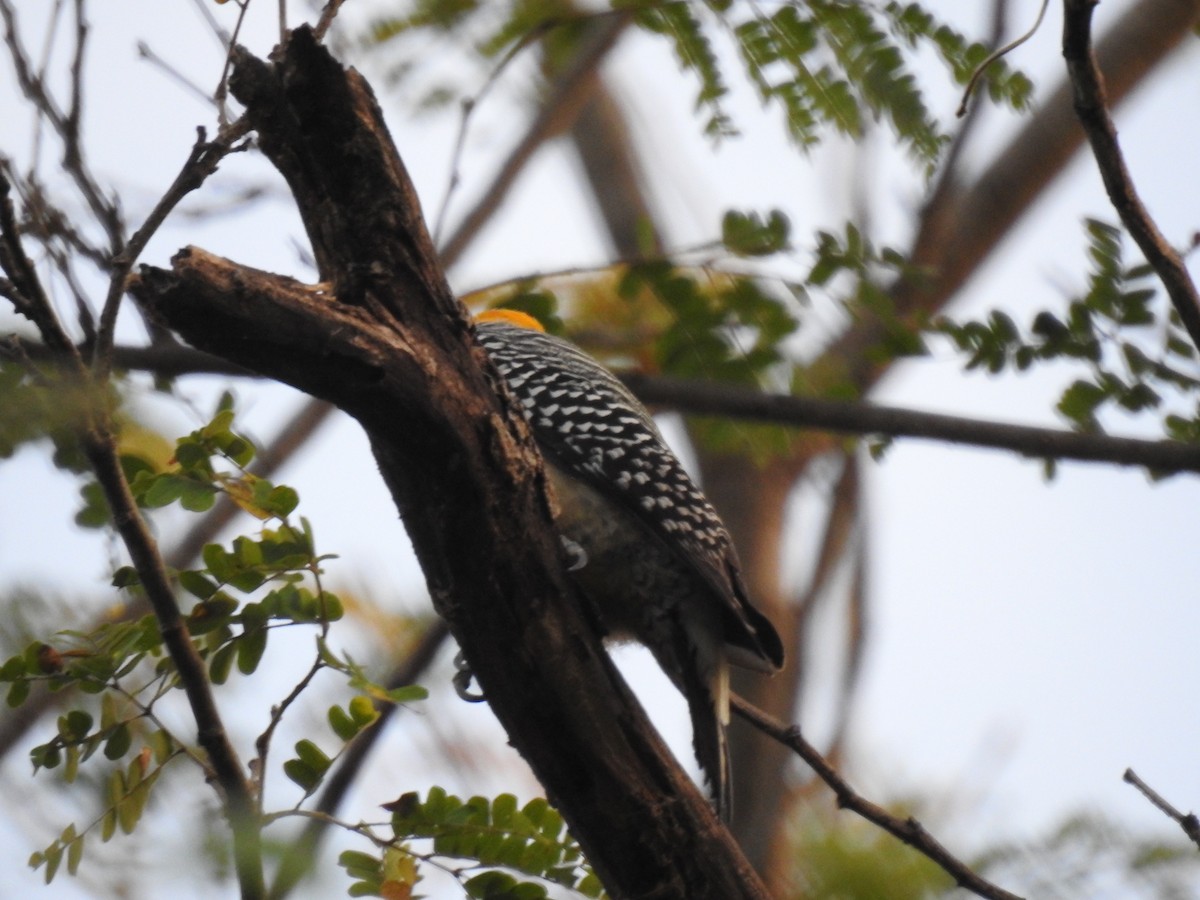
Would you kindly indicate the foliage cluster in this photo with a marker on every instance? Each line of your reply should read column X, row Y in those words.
column 1137, row 355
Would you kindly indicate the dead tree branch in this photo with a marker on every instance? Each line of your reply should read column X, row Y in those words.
column 395, row 350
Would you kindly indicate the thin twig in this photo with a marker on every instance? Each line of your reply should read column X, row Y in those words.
column 220, row 35
column 1189, row 822
column 908, row 830
column 202, row 162
column 328, row 14
column 468, row 107
column 298, row 859
column 30, row 298
column 1091, row 105
column 569, row 93
column 221, row 95
column 146, row 52
column 997, row 54
column 35, row 90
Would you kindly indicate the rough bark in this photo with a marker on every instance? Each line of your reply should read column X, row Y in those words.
column 391, row 346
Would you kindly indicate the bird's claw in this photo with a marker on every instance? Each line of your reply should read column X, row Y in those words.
column 463, row 676
column 576, row 556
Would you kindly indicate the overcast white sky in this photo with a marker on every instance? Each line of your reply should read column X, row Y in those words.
column 1019, row 660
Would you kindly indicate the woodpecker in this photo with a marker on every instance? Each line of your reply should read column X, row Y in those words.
column 653, row 557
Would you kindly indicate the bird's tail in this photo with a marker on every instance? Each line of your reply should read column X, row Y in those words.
column 705, row 684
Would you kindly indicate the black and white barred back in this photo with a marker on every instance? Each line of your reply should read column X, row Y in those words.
column 669, row 548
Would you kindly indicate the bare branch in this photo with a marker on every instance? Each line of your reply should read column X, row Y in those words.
column 28, row 295
column 202, row 162
column 710, row 398
column 908, row 830
column 735, row 402
column 328, row 14
column 1190, row 823
column 1091, row 105
column 65, row 125
column 844, row 508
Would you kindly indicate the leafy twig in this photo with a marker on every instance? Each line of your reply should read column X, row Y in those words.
column 298, row 858
column 96, row 438
column 241, row 806
column 1091, row 105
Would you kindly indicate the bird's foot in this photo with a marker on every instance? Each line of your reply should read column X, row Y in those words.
column 576, row 556
column 463, row 676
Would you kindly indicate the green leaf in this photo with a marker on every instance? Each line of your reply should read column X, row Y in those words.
column 75, row 725
column 161, row 745
column 126, row 576
column 1080, row 402
column 198, row 497
column 358, row 864
column 74, row 853
column 407, row 694
column 212, row 614
column 95, row 512
column 749, row 235
column 342, row 724
column 135, row 794
column 363, row 711
column 71, row 769
column 221, row 664
column 53, row 856
column 312, row 756
column 17, row 694
column 119, row 741
column 492, row 884
column 250, row 649
column 302, row 774
column 197, row 584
